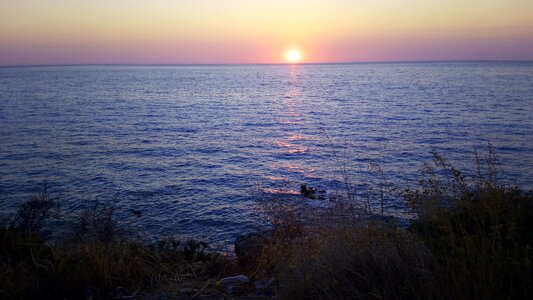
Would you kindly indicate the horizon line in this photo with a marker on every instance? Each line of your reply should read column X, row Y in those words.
column 272, row 64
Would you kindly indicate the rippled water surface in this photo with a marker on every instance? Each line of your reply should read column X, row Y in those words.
column 193, row 147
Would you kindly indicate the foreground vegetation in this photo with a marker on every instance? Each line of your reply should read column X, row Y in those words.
column 472, row 239
column 94, row 261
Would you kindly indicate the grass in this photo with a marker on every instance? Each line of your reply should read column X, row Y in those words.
column 472, row 239
column 480, row 231
column 336, row 255
column 96, row 262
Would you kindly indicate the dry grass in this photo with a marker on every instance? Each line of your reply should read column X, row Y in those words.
column 473, row 239
column 479, row 230
column 339, row 257
column 97, row 262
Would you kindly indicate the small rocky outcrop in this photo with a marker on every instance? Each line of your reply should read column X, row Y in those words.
column 312, row 193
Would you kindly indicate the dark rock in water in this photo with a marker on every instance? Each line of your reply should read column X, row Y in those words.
column 248, row 247
column 311, row 192
column 307, row 191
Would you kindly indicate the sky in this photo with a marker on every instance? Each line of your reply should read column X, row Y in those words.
column 262, row 31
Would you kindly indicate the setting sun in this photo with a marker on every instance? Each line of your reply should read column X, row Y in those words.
column 294, row 56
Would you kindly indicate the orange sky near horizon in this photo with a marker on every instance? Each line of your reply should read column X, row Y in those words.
column 239, row 31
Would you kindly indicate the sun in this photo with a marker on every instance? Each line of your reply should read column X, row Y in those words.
column 294, row 56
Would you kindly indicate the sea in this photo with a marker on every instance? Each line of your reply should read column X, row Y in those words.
column 191, row 151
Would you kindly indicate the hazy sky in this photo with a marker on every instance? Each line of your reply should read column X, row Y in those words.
column 248, row 31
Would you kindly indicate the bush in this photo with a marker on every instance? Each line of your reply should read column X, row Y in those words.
column 97, row 262
column 33, row 214
column 96, row 224
column 333, row 255
column 480, row 231
column 473, row 239
column 24, row 261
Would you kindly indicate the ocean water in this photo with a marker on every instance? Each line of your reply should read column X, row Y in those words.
column 194, row 148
